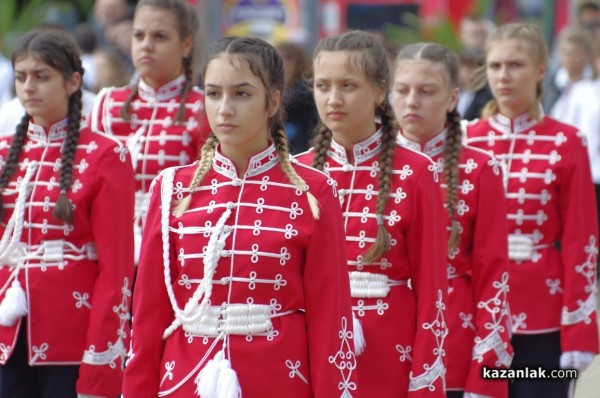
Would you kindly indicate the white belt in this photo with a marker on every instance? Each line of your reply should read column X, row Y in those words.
column 238, row 319
column 141, row 204
column 371, row 285
column 56, row 251
column 521, row 247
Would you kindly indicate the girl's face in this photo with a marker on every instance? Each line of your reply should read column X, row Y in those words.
column 346, row 98
column 513, row 76
column 42, row 90
column 236, row 106
column 421, row 97
column 157, row 50
column 574, row 58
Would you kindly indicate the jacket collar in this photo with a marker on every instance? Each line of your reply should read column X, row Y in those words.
column 258, row 164
column 58, row 131
column 163, row 93
column 362, row 151
column 432, row 148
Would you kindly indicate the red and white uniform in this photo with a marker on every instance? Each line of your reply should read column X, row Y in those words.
column 273, row 261
column 151, row 135
column 478, row 319
column 553, row 242
column 77, row 277
column 402, row 309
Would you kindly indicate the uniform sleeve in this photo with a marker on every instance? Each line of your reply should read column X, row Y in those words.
column 95, row 120
column 327, row 303
column 426, row 242
column 492, row 347
column 152, row 312
column 111, row 214
column 579, row 251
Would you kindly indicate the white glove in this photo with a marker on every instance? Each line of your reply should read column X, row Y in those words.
column 579, row 360
column 474, row 395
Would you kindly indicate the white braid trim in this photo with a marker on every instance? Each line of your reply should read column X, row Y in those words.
column 372, row 285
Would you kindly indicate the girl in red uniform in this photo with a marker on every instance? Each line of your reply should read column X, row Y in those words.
column 161, row 117
column 552, row 236
column 392, row 209
column 424, row 97
column 242, row 286
column 66, row 246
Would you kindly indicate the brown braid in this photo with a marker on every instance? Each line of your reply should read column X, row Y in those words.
column 188, row 27
column 389, row 132
column 189, row 78
column 126, row 109
column 63, row 210
column 14, row 152
column 58, row 50
column 321, row 143
column 207, row 153
column 453, row 146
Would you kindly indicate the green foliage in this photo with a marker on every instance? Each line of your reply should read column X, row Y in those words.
column 20, row 16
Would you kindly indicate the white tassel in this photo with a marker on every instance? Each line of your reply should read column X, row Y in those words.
column 14, row 305
column 208, row 378
column 228, row 385
column 359, row 337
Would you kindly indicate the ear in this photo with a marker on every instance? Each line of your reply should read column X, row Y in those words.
column 453, row 99
column 186, row 46
column 74, row 83
column 274, row 101
column 381, row 94
column 541, row 72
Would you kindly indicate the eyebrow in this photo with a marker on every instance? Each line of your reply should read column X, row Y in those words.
column 40, row 70
column 239, row 85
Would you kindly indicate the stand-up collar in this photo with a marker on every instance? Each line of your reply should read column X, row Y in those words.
column 163, row 93
column 58, row 131
column 432, row 148
column 257, row 164
column 362, row 151
column 513, row 126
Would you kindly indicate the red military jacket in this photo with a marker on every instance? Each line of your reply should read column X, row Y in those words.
column 404, row 317
column 478, row 317
column 77, row 277
column 553, row 232
column 271, row 256
column 151, row 135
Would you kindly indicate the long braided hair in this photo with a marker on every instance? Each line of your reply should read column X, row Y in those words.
column 531, row 39
column 370, row 56
column 448, row 61
column 265, row 63
column 58, row 50
column 187, row 17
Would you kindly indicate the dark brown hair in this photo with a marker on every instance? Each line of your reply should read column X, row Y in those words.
column 445, row 58
column 58, row 50
column 369, row 56
column 187, row 18
column 265, row 63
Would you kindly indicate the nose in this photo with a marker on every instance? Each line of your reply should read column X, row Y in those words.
column 504, row 73
column 28, row 85
column 225, row 107
column 335, row 97
column 412, row 99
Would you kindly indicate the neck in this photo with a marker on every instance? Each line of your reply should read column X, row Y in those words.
column 422, row 137
column 348, row 139
column 241, row 156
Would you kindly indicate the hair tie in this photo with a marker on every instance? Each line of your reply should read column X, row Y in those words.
column 380, row 219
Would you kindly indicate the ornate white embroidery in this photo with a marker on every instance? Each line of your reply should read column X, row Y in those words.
column 437, row 369
column 404, row 353
column 587, row 269
column 345, row 360
column 294, row 366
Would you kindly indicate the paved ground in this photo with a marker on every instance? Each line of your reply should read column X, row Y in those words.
column 588, row 385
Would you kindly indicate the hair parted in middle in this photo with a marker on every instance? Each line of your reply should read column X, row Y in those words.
column 265, row 63
column 57, row 49
column 367, row 54
column 189, row 26
column 444, row 57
